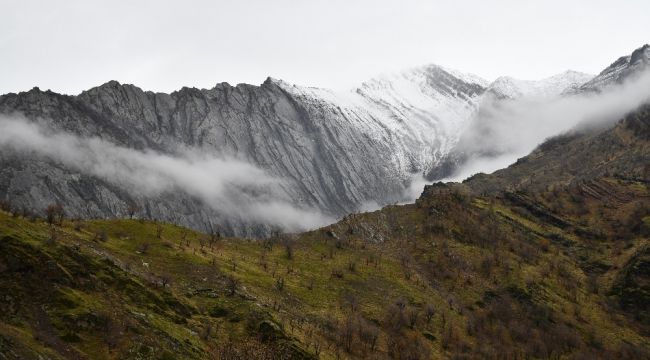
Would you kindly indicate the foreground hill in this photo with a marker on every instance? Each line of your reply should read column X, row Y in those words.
column 525, row 263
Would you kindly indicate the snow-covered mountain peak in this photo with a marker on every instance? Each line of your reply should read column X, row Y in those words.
column 509, row 87
column 426, row 78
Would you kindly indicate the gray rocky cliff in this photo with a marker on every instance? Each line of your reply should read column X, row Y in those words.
column 332, row 155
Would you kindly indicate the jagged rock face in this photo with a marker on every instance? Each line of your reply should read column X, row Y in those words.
column 620, row 69
column 334, row 151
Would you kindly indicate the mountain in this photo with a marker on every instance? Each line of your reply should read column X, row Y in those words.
column 515, row 115
column 313, row 153
column 621, row 69
column 506, row 87
column 547, row 258
column 579, row 156
column 333, row 151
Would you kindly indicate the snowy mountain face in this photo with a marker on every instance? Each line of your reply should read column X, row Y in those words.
column 507, row 87
column 482, row 136
column 419, row 112
column 249, row 158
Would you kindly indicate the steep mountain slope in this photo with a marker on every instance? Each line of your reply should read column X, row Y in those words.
column 620, row 69
column 514, row 115
column 332, row 152
column 553, row 268
column 579, row 156
column 430, row 106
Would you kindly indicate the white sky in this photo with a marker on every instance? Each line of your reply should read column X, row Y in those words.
column 68, row 46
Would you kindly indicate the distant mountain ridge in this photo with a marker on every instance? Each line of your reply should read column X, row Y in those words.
column 507, row 87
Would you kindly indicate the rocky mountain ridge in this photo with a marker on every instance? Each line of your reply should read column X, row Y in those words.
column 334, row 152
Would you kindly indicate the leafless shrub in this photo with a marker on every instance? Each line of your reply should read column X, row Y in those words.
column 412, row 314
column 232, row 284
column 143, row 248
column 165, row 280
column 337, row 273
column 429, row 312
column 101, row 235
column 54, row 214
column 350, row 300
column 346, row 331
column 159, row 231
column 288, row 248
column 368, row 334
column 279, row 284
column 132, row 208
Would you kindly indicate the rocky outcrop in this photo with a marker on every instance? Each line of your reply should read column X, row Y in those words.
column 620, row 70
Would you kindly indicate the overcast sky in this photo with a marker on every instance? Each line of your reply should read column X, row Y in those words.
column 68, row 46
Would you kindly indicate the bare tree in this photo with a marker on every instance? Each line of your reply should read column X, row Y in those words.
column 368, row 334
column 143, row 248
column 413, row 314
column 207, row 331
column 395, row 319
column 279, row 284
column 132, row 208
column 346, row 331
column 232, row 284
column 54, row 214
column 429, row 312
column 165, row 280
column 159, row 231
column 215, row 236
column 288, row 247
column 349, row 299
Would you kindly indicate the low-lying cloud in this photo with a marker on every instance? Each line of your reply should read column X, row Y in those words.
column 506, row 130
column 227, row 185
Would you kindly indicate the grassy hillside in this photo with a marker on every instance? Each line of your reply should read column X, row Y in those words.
column 553, row 270
column 451, row 275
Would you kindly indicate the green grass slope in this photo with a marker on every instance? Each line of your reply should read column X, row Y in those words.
column 544, row 267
